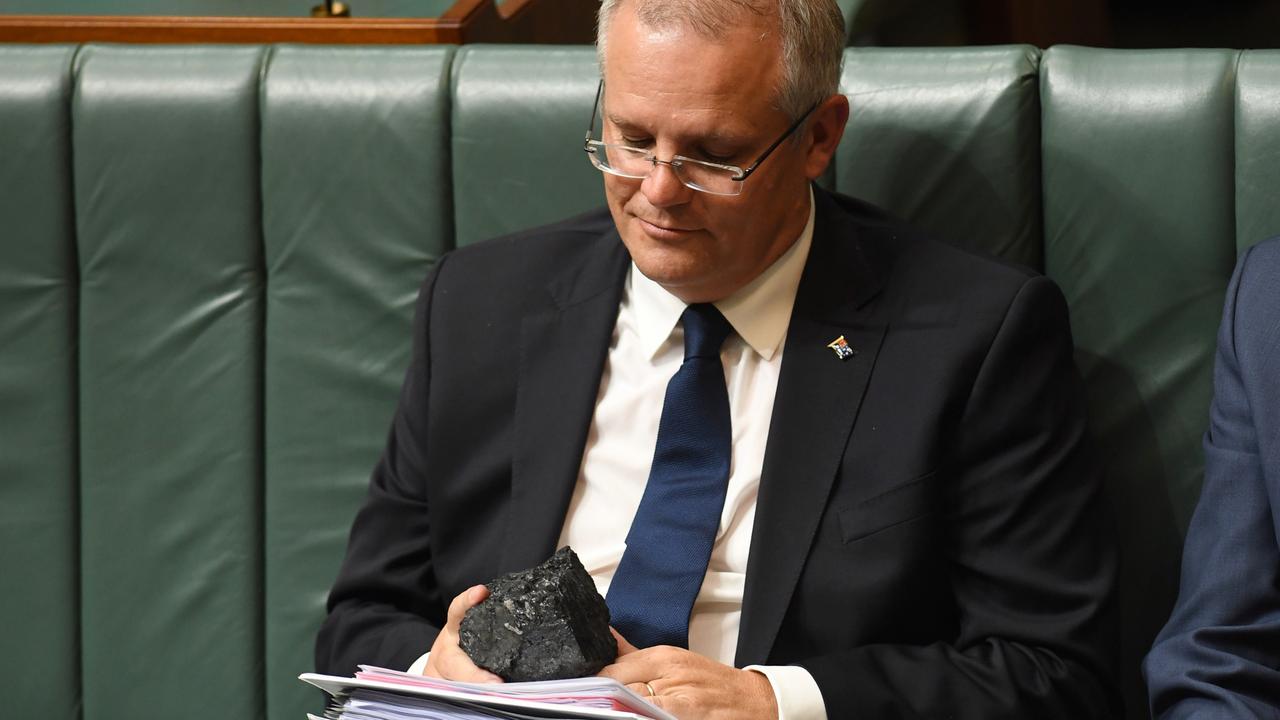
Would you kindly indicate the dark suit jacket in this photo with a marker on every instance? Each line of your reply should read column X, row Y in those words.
column 1218, row 657
column 928, row 541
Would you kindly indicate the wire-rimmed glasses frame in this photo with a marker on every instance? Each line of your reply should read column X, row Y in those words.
column 733, row 175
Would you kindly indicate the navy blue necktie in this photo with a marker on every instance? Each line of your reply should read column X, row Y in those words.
column 670, row 540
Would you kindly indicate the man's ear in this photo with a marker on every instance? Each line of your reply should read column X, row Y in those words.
column 826, row 127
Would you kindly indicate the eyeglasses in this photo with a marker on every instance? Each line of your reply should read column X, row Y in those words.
column 701, row 175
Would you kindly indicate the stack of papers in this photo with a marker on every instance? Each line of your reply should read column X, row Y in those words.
column 381, row 694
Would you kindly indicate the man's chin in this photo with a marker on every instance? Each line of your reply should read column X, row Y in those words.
column 687, row 280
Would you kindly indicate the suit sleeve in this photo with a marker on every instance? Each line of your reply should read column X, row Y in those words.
column 1217, row 656
column 1030, row 550
column 385, row 607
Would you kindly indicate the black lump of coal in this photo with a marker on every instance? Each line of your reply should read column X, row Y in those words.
column 546, row 623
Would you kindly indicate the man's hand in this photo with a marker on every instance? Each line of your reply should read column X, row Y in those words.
column 691, row 686
column 447, row 660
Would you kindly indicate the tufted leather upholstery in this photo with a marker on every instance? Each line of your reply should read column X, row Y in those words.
column 208, row 258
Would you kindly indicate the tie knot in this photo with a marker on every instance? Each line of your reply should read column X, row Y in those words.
column 704, row 330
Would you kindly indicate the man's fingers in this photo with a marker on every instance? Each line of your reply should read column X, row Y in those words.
column 638, row 688
column 646, row 691
column 450, row 662
column 469, row 673
column 465, row 601
column 636, row 667
column 476, row 594
column 464, row 673
column 458, row 666
column 447, row 660
column 625, row 673
column 688, row 685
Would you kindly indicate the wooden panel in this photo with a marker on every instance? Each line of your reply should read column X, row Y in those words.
column 551, row 21
column 139, row 29
column 225, row 8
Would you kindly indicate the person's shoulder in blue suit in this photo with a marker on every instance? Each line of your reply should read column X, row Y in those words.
column 1219, row 654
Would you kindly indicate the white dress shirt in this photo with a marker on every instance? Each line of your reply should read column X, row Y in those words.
column 646, row 349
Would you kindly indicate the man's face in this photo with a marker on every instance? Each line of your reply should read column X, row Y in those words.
column 674, row 92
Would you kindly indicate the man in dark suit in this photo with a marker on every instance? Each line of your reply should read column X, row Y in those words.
column 909, row 526
column 1218, row 655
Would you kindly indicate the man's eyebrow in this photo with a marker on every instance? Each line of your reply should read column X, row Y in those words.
column 619, row 122
column 712, row 136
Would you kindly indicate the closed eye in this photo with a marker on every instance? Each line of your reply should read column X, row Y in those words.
column 713, row 158
column 643, row 143
column 721, row 154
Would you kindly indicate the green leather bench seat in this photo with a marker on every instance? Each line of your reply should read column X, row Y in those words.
column 39, row 440
column 1257, row 139
column 187, row 464
column 1140, row 233
column 950, row 141
column 519, row 118
column 209, row 256
column 354, row 211
column 170, row 401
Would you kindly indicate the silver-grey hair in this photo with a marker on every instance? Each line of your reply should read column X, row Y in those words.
column 812, row 34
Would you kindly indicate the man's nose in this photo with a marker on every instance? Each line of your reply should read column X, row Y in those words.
column 663, row 188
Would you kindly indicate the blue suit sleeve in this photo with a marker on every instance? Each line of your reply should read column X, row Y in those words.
column 1218, row 655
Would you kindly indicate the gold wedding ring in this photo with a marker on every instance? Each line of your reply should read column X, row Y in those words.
column 649, row 688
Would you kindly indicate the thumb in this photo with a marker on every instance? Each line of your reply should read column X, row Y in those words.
column 465, row 601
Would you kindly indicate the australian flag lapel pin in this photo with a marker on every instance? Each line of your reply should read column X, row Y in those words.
column 841, row 348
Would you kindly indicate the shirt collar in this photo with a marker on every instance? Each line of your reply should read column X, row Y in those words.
column 759, row 312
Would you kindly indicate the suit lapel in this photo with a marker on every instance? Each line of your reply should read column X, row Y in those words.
column 562, row 353
column 817, row 401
